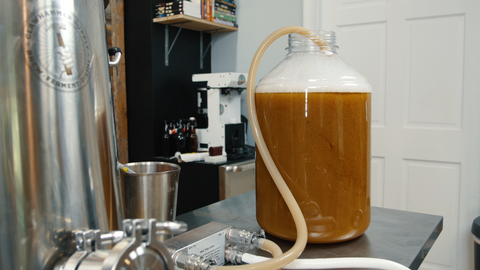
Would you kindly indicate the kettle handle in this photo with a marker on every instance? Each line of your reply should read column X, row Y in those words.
column 117, row 52
column 301, row 225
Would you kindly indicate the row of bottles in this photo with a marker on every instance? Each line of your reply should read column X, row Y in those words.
column 178, row 136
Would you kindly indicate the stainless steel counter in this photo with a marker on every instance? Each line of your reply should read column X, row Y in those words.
column 401, row 236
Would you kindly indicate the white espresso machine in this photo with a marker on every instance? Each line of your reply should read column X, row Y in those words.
column 221, row 101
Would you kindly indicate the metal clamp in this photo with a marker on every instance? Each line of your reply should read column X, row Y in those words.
column 140, row 233
column 161, row 227
column 136, row 245
column 87, row 240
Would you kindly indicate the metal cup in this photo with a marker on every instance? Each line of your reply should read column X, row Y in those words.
column 151, row 192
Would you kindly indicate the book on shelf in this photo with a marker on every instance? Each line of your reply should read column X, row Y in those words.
column 226, row 11
column 226, row 7
column 226, row 3
column 176, row 2
column 178, row 13
column 217, row 20
column 168, row 9
column 174, row 7
column 174, row 11
column 223, row 9
column 165, row 15
column 208, row 7
column 226, row 17
column 178, row 7
column 219, row 11
column 168, row 5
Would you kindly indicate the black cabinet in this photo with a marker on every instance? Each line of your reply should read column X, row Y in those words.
column 156, row 92
column 198, row 185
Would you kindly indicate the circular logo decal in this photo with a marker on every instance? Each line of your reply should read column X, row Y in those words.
column 58, row 50
column 241, row 79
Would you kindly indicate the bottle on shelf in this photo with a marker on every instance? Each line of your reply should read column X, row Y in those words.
column 181, row 141
column 179, row 125
column 192, row 136
column 165, row 142
column 185, row 126
column 172, row 139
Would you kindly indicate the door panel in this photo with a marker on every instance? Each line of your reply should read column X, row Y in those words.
column 371, row 35
column 440, row 183
column 434, row 72
column 377, row 180
column 421, row 58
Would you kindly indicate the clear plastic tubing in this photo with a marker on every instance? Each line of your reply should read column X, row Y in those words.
column 270, row 247
column 337, row 263
column 300, row 224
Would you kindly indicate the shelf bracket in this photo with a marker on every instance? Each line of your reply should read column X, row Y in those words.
column 168, row 48
column 202, row 54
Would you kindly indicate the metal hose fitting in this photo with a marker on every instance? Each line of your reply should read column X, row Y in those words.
column 193, row 262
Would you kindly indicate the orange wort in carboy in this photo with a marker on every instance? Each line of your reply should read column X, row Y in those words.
column 314, row 112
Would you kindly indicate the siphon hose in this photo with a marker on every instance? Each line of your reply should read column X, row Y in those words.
column 332, row 263
column 289, row 258
column 300, row 224
column 271, row 247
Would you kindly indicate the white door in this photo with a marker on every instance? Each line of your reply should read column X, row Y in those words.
column 422, row 58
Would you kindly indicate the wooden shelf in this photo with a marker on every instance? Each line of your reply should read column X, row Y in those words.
column 194, row 23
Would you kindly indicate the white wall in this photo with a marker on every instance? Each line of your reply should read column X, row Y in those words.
column 233, row 52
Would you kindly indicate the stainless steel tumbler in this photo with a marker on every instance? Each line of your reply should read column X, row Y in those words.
column 151, row 192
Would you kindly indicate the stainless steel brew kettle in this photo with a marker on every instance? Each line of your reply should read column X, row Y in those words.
column 57, row 139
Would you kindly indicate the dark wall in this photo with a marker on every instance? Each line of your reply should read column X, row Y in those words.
column 156, row 92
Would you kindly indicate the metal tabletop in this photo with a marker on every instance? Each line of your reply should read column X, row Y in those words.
column 400, row 236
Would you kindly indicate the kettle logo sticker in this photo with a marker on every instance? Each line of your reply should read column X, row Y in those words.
column 58, row 50
column 241, row 79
